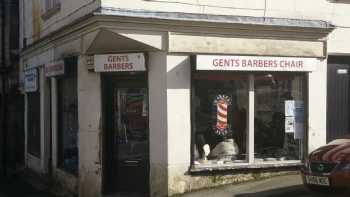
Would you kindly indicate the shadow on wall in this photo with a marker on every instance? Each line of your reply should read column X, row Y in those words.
column 179, row 76
column 339, row 1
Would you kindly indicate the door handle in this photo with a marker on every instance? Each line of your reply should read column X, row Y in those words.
column 131, row 162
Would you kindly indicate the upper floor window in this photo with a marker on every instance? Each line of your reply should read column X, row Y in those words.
column 51, row 4
column 50, row 7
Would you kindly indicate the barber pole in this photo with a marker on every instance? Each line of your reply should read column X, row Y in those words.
column 222, row 102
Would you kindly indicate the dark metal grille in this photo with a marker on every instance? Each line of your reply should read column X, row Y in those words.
column 321, row 167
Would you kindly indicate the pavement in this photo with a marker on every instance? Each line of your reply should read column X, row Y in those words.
column 15, row 187
column 282, row 186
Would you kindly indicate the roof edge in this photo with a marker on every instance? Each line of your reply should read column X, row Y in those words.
column 211, row 18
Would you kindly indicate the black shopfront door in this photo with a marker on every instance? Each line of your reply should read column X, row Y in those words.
column 126, row 168
column 338, row 107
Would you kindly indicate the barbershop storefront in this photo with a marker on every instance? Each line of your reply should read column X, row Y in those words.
column 161, row 110
column 242, row 112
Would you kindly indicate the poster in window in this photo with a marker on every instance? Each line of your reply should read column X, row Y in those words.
column 290, row 124
column 289, row 108
column 299, row 120
column 31, row 80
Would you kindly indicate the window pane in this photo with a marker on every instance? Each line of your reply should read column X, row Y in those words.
column 68, row 121
column 33, row 123
column 279, row 116
column 220, row 114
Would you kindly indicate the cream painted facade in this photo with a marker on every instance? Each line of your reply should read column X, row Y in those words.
column 86, row 27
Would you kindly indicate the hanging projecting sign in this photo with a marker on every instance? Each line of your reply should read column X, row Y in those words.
column 255, row 63
column 54, row 69
column 120, row 62
column 31, row 80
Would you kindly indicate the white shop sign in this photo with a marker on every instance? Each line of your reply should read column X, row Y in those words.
column 54, row 69
column 31, row 80
column 120, row 62
column 255, row 63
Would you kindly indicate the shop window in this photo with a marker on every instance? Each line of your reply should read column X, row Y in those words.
column 33, row 124
column 68, row 118
column 279, row 117
column 221, row 102
column 220, row 114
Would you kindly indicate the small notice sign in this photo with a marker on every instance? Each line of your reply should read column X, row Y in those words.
column 31, row 80
column 54, row 69
column 289, row 108
column 290, row 125
column 119, row 62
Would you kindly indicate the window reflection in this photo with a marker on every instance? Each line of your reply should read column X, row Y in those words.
column 221, row 107
column 279, row 117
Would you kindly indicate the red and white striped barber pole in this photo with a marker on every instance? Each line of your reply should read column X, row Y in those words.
column 222, row 102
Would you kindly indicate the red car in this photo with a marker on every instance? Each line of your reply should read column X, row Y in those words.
column 328, row 166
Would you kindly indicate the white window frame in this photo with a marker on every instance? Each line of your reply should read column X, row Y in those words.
column 250, row 160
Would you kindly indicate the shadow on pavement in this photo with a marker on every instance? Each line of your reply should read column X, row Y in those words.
column 15, row 187
column 293, row 191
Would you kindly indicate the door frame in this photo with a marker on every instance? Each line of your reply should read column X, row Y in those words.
column 108, row 81
column 336, row 61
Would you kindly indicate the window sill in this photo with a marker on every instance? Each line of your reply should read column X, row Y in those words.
column 50, row 12
column 258, row 165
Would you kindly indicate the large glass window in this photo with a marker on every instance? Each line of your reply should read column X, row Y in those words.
column 68, row 118
column 279, row 116
column 33, row 123
column 220, row 107
column 221, row 102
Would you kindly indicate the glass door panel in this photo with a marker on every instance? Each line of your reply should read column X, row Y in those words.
column 131, row 138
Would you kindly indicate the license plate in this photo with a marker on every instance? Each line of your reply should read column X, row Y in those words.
column 317, row 180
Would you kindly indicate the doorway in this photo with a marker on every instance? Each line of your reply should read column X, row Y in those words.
column 126, row 166
column 338, row 97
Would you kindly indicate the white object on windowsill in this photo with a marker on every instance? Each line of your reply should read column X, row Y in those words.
column 206, row 149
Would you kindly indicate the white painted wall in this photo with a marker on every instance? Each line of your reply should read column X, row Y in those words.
column 179, row 108
column 170, row 121
column 158, row 127
column 90, row 131
column 335, row 12
column 179, row 119
column 33, row 26
column 317, row 106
